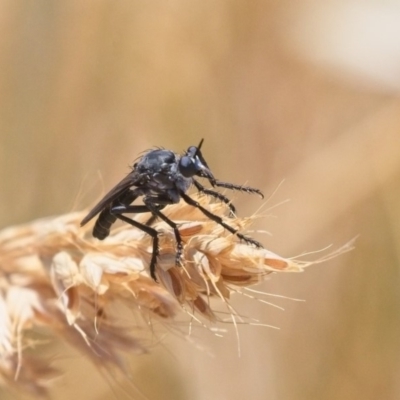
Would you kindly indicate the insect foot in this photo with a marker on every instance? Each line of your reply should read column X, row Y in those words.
column 178, row 257
column 249, row 240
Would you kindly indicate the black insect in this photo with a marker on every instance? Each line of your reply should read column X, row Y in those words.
column 162, row 177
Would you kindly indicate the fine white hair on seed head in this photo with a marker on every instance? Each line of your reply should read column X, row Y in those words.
column 54, row 274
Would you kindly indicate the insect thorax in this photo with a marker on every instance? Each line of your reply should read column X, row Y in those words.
column 162, row 170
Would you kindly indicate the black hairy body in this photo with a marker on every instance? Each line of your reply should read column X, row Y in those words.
column 162, row 177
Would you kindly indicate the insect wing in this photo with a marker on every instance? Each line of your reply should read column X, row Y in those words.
column 130, row 180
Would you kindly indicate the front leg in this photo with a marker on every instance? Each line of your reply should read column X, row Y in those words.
column 217, row 195
column 233, row 186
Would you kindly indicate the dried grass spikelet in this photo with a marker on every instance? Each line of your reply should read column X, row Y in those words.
column 54, row 274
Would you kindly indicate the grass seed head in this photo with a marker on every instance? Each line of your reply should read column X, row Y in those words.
column 53, row 273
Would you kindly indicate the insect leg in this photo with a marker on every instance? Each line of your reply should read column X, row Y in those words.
column 218, row 220
column 217, row 195
column 137, row 209
column 119, row 210
column 156, row 211
column 232, row 186
column 151, row 220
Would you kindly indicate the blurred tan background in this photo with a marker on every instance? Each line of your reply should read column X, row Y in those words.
column 301, row 92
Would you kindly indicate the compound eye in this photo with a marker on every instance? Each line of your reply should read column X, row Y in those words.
column 187, row 166
column 191, row 151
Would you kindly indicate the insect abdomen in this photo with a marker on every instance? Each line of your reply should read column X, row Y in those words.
column 103, row 224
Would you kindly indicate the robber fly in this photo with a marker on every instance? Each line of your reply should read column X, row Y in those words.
column 162, row 177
